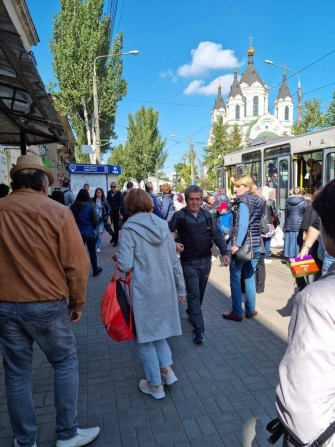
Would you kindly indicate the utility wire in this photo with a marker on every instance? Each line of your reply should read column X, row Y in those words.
column 120, row 18
column 249, row 102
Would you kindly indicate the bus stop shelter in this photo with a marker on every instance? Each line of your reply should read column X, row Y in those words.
column 27, row 114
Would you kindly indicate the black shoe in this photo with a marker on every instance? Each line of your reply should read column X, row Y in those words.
column 97, row 271
column 198, row 337
column 115, row 244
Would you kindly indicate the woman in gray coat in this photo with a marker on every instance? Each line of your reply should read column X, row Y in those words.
column 306, row 391
column 147, row 248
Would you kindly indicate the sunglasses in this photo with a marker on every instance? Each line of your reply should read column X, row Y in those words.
column 113, row 187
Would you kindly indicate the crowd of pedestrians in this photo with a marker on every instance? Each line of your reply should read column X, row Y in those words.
column 160, row 240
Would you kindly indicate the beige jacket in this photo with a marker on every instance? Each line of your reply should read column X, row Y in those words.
column 306, row 390
column 42, row 256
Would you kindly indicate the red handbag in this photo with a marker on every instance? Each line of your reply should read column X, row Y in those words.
column 116, row 312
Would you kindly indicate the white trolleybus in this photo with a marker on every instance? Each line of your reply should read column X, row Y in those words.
column 306, row 160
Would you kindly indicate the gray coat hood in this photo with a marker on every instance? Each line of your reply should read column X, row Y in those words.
column 148, row 226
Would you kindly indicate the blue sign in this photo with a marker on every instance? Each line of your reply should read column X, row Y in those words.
column 94, row 169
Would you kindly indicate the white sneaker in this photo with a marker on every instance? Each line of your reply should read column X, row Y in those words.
column 84, row 436
column 16, row 444
column 98, row 250
column 157, row 392
column 169, row 378
column 267, row 261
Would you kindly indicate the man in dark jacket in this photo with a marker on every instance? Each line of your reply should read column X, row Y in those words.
column 123, row 210
column 114, row 201
column 149, row 188
column 195, row 231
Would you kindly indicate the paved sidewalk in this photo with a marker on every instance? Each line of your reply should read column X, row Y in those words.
column 226, row 388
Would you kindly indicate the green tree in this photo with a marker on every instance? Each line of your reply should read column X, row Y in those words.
column 235, row 139
column 117, row 158
column 183, row 172
column 143, row 153
column 330, row 115
column 312, row 118
column 223, row 142
column 81, row 32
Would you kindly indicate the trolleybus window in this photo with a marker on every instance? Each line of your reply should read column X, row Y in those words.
column 271, row 155
column 230, row 179
column 308, row 171
column 283, row 183
column 219, row 181
column 252, row 166
column 330, row 167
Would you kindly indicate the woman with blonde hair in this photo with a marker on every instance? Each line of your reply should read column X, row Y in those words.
column 145, row 241
column 247, row 213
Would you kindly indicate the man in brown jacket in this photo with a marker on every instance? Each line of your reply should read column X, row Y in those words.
column 43, row 263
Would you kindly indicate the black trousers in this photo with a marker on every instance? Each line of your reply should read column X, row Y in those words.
column 115, row 221
column 196, row 275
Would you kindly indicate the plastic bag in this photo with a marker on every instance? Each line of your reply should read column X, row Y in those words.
column 116, row 312
column 277, row 240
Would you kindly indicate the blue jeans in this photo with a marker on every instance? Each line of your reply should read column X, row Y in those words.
column 196, row 275
column 46, row 323
column 100, row 229
column 249, row 280
column 154, row 355
column 267, row 246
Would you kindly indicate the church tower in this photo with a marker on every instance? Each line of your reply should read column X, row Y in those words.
column 248, row 107
column 284, row 105
column 235, row 103
column 254, row 90
column 219, row 112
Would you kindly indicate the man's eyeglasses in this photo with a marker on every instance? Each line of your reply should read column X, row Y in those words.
column 113, row 187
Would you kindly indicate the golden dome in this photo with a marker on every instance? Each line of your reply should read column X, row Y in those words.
column 251, row 51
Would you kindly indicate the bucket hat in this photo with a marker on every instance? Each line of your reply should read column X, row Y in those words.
column 31, row 162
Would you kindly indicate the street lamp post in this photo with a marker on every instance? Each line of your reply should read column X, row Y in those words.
column 96, row 102
column 299, row 86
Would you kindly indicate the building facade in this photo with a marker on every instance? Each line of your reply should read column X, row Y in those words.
column 247, row 106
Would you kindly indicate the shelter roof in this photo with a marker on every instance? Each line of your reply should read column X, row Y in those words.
column 27, row 114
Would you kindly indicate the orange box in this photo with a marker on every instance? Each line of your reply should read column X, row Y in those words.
column 303, row 266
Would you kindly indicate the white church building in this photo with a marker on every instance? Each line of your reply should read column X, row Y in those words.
column 247, row 105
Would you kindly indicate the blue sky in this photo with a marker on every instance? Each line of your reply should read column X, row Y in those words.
column 187, row 45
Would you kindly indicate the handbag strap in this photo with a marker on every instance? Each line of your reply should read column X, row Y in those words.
column 277, row 429
column 127, row 282
column 238, row 222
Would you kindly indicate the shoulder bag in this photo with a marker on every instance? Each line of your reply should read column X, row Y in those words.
column 245, row 253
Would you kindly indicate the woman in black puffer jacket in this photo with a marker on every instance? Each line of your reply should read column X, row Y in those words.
column 294, row 212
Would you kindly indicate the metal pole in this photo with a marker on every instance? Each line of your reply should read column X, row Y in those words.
column 299, row 101
column 96, row 115
column 299, row 86
column 192, row 161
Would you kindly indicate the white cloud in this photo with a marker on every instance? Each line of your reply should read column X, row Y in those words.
column 208, row 56
column 198, row 87
column 169, row 74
